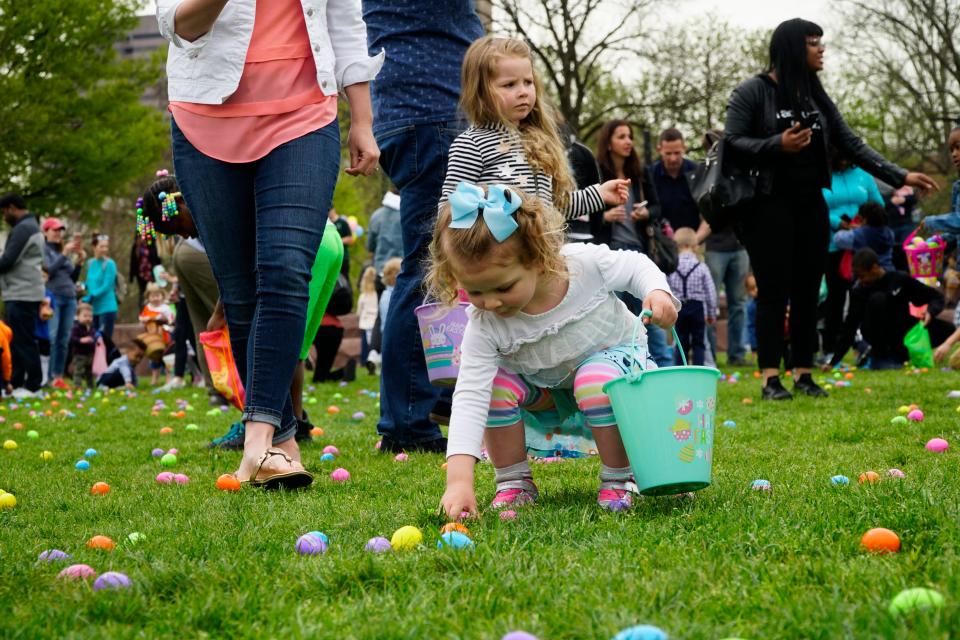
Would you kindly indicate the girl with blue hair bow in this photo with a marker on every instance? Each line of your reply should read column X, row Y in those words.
column 545, row 332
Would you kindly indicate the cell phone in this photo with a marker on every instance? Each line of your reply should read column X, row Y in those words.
column 809, row 118
column 641, row 204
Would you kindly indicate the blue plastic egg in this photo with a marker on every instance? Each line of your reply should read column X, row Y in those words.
column 89, row 453
column 839, row 480
column 82, row 465
column 642, row 632
column 454, row 540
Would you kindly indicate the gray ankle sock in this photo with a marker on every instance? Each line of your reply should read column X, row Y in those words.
column 519, row 471
column 615, row 474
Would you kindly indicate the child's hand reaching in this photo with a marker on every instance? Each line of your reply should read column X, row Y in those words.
column 459, row 496
column 660, row 303
column 614, row 192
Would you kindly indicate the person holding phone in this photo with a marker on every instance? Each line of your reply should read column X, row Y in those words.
column 781, row 124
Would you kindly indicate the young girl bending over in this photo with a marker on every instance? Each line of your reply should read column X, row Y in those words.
column 513, row 137
column 545, row 331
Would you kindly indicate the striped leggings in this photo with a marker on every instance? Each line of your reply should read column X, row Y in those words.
column 511, row 392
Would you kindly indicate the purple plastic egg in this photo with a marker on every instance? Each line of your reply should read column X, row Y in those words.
column 359, row 415
column 53, row 555
column 519, row 635
column 165, row 477
column 156, row 453
column 181, row 479
column 378, row 545
column 77, row 572
column 308, row 545
column 111, row 580
column 340, row 475
column 896, row 473
column 938, row 445
column 331, row 449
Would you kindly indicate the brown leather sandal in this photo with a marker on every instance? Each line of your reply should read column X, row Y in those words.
column 279, row 479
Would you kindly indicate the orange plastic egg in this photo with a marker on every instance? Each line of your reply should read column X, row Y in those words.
column 101, row 542
column 166, row 430
column 848, row 376
column 54, row 404
column 454, row 526
column 747, row 401
column 18, row 425
column 880, row 540
column 100, row 488
column 869, row 476
column 228, row 482
column 316, row 431
column 333, row 409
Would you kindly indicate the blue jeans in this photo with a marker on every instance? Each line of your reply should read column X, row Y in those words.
column 415, row 159
column 60, row 325
column 946, row 224
column 261, row 223
column 657, row 346
column 731, row 269
column 103, row 322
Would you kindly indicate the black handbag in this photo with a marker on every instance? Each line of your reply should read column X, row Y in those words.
column 341, row 300
column 661, row 248
column 719, row 187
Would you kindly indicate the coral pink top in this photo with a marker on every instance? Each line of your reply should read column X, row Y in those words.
column 277, row 100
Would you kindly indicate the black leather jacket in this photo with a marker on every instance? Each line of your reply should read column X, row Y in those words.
column 751, row 131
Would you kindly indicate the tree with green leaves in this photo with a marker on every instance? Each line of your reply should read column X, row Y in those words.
column 74, row 131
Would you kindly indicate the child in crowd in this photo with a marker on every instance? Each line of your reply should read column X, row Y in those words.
column 157, row 318
column 545, row 331
column 121, row 372
column 697, row 293
column 83, row 338
column 367, row 310
column 391, row 269
column 42, row 332
column 871, row 233
column 513, row 136
column 948, row 224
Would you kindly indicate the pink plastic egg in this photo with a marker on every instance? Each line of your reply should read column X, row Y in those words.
column 340, row 475
column 331, row 449
column 77, row 572
column 181, row 478
column 938, row 445
column 165, row 477
column 915, row 416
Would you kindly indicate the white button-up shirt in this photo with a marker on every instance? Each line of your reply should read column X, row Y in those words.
column 208, row 70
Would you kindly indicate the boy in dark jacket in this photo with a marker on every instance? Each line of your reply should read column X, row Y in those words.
column 83, row 338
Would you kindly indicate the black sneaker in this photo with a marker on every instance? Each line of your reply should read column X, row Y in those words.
column 350, row 370
column 232, row 440
column 805, row 384
column 441, row 411
column 773, row 390
column 303, row 429
column 389, row 445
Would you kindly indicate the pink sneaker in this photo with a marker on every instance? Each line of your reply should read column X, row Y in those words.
column 515, row 493
column 616, row 496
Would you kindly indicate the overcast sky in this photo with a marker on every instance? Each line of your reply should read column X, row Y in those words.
column 764, row 14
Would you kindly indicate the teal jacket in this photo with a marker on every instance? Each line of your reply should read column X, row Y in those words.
column 848, row 190
column 101, row 285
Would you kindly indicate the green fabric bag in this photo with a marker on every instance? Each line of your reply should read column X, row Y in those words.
column 917, row 342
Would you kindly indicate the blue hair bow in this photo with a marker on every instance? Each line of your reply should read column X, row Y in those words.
column 468, row 201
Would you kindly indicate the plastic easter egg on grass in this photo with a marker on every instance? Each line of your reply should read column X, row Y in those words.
column 33, row 435
column 181, row 478
column 880, row 540
column 406, row 538
column 168, row 460
column 519, row 635
column 903, row 409
column 357, row 416
column 228, row 482
column 53, row 555
column 331, row 449
column 82, row 465
column 454, row 526
column 899, row 420
column 868, row 477
column 730, row 424
column 173, row 452
column 915, row 416
column 191, row 427
column 839, row 481
column 761, row 485
column 642, row 632
column 9, row 445
column 164, row 477
column 339, row 475
column 100, row 489
column 401, row 457
column 896, row 473
column 18, row 425
column 101, row 542
column 508, row 514
column 915, row 599
column 333, row 409
column 308, row 545
column 135, row 538
column 77, row 572
column 320, row 535
column 89, row 453
column 327, row 457
column 111, row 580
column 454, row 540
column 46, row 456
column 157, row 452
column 937, row 445
column 7, row 501
column 378, row 545
column 316, row 431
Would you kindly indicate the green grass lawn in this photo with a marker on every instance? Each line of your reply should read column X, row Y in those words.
column 734, row 562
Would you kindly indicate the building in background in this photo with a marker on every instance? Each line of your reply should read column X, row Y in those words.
column 144, row 41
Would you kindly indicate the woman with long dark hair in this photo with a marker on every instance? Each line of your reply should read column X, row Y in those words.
column 627, row 226
column 781, row 124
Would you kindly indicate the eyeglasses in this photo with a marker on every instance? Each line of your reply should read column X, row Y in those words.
column 101, row 238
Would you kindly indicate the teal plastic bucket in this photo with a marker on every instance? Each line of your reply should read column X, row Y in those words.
column 666, row 420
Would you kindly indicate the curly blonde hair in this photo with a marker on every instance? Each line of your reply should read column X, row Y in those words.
column 536, row 244
column 539, row 135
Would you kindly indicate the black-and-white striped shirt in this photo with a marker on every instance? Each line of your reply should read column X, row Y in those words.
column 494, row 155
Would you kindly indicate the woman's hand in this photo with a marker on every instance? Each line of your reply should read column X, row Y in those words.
column 640, row 213
column 795, row 138
column 921, row 181
column 459, row 496
column 617, row 214
column 661, row 304
column 364, row 152
column 614, row 192
column 218, row 320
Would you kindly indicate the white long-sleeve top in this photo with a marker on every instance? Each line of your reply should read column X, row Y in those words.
column 547, row 348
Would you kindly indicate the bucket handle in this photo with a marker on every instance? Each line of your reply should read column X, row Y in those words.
column 637, row 368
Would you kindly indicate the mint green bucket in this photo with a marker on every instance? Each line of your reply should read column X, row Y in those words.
column 666, row 420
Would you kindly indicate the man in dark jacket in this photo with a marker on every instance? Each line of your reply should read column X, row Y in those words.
column 21, row 284
column 880, row 308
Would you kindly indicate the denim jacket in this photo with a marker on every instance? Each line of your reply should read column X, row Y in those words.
column 208, row 70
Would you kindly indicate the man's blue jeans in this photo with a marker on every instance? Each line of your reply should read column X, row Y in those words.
column 731, row 268
column 60, row 325
column 261, row 223
column 415, row 159
column 946, row 224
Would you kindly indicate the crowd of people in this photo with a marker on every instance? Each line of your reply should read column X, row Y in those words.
column 494, row 202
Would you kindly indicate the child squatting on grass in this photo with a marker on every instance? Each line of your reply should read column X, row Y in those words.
column 544, row 322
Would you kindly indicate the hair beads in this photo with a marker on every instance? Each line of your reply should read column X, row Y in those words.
column 144, row 225
column 168, row 205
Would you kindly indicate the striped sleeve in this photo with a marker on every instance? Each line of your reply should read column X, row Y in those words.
column 465, row 164
column 584, row 202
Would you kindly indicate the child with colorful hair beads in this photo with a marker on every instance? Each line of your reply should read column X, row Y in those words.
column 545, row 330
column 513, row 137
